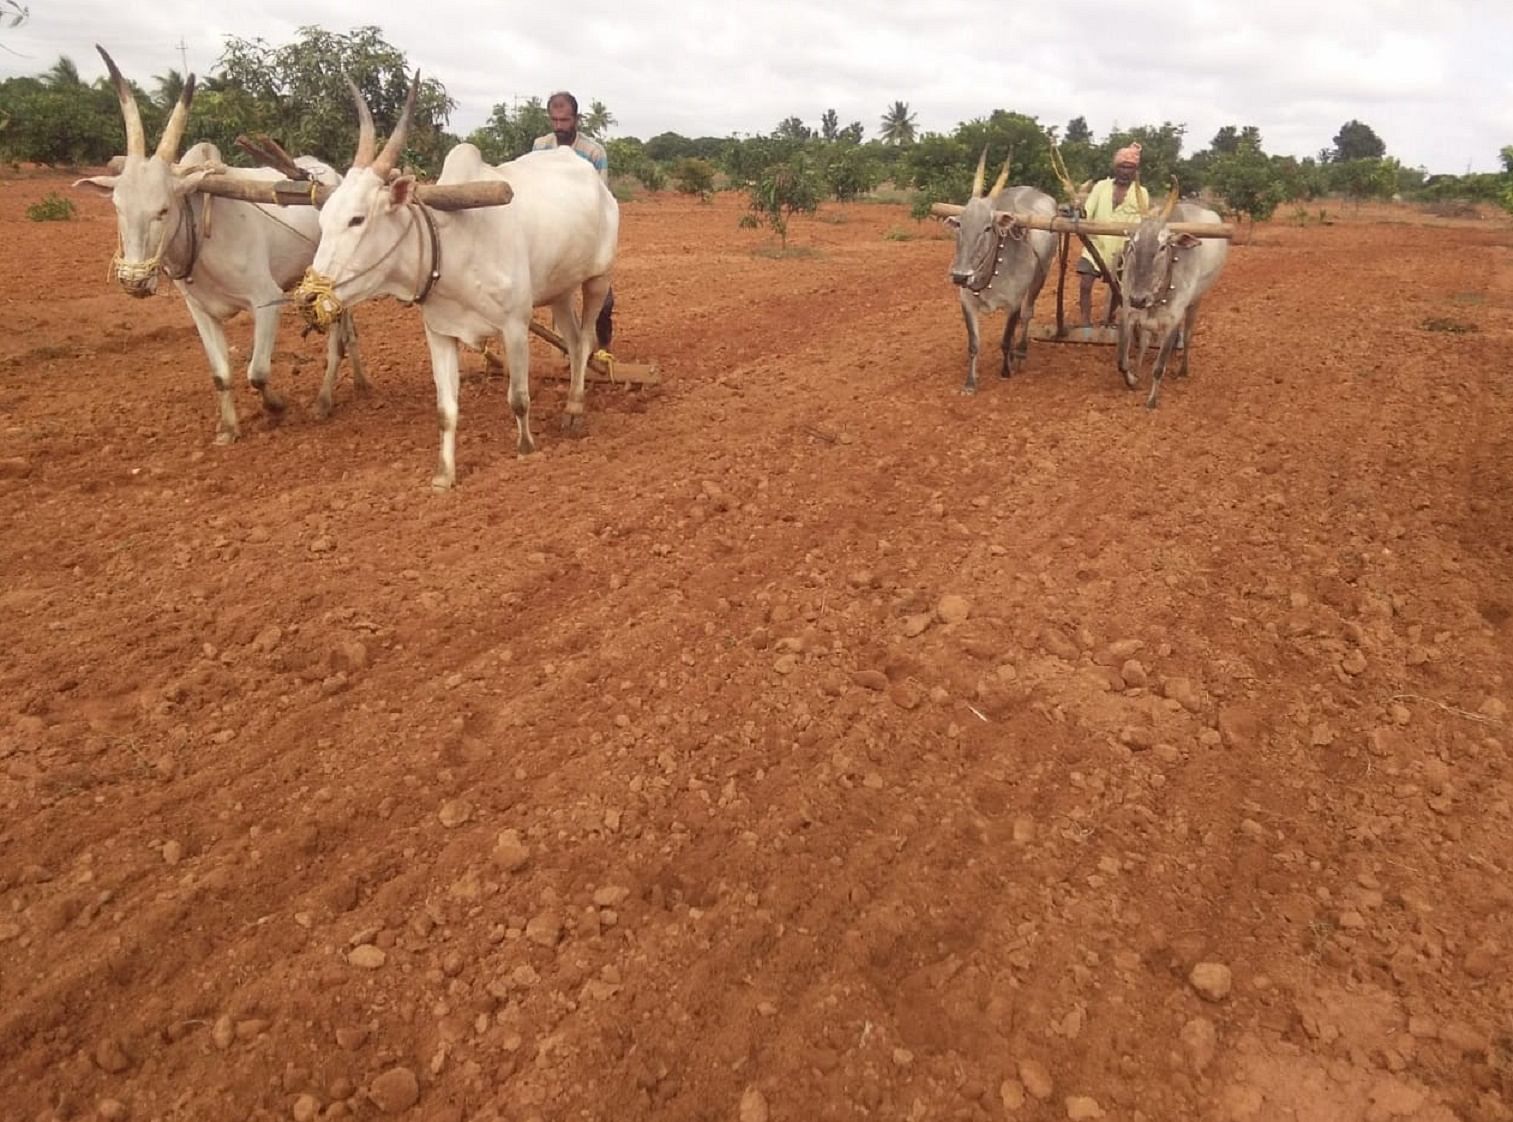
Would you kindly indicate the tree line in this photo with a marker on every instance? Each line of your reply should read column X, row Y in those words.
column 296, row 93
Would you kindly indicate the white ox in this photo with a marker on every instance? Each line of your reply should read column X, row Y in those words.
column 475, row 273
column 225, row 258
column 1164, row 278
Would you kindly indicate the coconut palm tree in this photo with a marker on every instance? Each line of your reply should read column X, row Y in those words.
column 598, row 120
column 170, row 86
column 62, row 75
column 898, row 124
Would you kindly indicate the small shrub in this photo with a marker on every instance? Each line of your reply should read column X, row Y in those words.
column 919, row 209
column 749, row 222
column 694, row 176
column 54, row 208
column 623, row 190
column 897, row 234
column 782, row 191
column 651, row 175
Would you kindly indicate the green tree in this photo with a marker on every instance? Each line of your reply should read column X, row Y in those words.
column 792, row 128
column 62, row 75
column 510, row 131
column 1247, row 182
column 898, row 124
column 848, row 171
column 1003, row 133
column 745, row 160
column 1357, row 141
column 851, row 134
column 1077, row 132
column 830, row 125
column 668, row 146
column 169, row 86
column 694, row 176
column 1363, row 179
column 598, row 120
column 939, row 168
column 300, row 92
column 782, row 191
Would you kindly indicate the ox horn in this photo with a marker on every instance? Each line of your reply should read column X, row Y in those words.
column 982, row 173
column 136, row 139
column 396, row 145
column 365, row 142
column 1171, row 201
column 173, row 131
column 1003, row 177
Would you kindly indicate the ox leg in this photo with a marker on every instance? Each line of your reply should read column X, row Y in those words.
column 1010, row 322
column 571, row 328
column 1188, row 322
column 341, row 341
column 517, row 354
column 213, row 336
column 264, row 335
column 1131, row 349
column 446, row 370
column 973, row 345
column 1159, row 369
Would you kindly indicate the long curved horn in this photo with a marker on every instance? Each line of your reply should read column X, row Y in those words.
column 136, row 139
column 390, row 155
column 173, row 131
column 1171, row 201
column 1003, row 177
column 365, row 142
column 982, row 173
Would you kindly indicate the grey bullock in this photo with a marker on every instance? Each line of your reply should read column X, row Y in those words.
column 1000, row 264
column 236, row 257
column 1164, row 278
column 475, row 273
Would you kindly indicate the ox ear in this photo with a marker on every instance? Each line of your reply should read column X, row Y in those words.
column 1003, row 222
column 951, row 221
column 402, row 190
column 1186, row 241
column 97, row 185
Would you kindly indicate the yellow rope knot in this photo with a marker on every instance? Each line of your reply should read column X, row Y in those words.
column 317, row 300
column 608, row 361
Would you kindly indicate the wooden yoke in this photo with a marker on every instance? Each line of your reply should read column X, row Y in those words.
column 1064, row 225
column 288, row 192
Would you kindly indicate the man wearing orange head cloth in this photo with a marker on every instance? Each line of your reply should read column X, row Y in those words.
column 1120, row 198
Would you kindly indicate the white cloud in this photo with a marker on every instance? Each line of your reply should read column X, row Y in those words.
column 1434, row 80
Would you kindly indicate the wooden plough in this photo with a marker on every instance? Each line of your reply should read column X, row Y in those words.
column 1070, row 223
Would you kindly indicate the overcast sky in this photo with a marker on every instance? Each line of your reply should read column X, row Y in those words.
column 1434, row 78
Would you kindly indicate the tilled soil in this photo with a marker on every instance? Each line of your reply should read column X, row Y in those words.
column 807, row 742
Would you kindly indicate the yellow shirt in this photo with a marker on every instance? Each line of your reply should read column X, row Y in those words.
column 1100, row 208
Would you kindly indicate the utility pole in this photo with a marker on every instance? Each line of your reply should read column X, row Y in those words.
column 183, row 49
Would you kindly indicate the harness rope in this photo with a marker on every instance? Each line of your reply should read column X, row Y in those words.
column 1015, row 232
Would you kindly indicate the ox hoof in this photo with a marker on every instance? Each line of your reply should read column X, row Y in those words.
column 968, row 391
column 225, row 437
column 1130, row 380
column 574, row 424
column 321, row 409
column 441, row 482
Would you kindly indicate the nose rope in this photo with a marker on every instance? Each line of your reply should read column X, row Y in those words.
column 316, row 295
column 134, row 274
